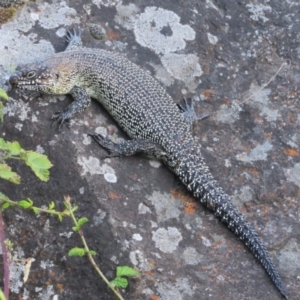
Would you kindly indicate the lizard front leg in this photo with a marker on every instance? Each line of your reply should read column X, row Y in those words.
column 74, row 40
column 81, row 101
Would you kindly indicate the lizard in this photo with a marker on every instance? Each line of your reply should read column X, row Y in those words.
column 155, row 125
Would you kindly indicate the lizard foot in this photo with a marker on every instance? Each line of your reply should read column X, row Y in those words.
column 188, row 110
column 107, row 144
column 73, row 39
column 60, row 118
column 71, row 34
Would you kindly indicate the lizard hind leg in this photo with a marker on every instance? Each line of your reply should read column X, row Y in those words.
column 73, row 38
column 129, row 147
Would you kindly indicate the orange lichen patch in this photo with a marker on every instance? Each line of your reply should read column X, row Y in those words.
column 291, row 152
column 151, row 263
column 112, row 35
column 292, row 94
column 114, row 196
column 208, row 93
column 149, row 273
column 268, row 135
column 59, row 288
column 111, row 130
column 188, row 201
column 205, row 69
column 190, row 208
column 52, row 274
column 257, row 118
column 150, row 276
column 154, row 297
column 217, row 244
column 135, row 176
column 243, row 209
column 204, row 268
column 265, row 210
column 226, row 101
column 253, row 171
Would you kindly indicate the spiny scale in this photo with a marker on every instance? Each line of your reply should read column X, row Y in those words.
column 148, row 115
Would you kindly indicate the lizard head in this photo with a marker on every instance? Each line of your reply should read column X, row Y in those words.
column 41, row 78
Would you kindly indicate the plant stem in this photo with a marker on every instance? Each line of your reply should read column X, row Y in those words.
column 8, row 156
column 48, row 211
column 53, row 212
column 5, row 258
column 90, row 257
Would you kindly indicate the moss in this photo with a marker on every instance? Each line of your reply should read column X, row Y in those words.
column 6, row 14
column 8, row 8
column 9, row 3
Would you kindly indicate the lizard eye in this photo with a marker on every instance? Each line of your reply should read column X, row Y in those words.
column 30, row 74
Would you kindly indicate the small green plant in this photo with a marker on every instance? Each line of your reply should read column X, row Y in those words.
column 3, row 96
column 39, row 163
column 122, row 272
column 119, row 282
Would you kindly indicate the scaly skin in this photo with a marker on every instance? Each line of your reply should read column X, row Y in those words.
column 148, row 115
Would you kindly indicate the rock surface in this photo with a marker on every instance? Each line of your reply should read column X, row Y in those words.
column 224, row 55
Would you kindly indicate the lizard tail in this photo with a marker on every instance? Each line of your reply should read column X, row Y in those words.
column 194, row 173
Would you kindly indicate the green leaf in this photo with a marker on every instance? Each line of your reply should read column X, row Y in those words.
column 6, row 173
column 5, row 205
column 3, row 197
column 3, row 145
column 25, row 203
column 36, row 210
column 126, row 271
column 119, row 282
column 74, row 208
column 51, row 205
column 77, row 252
column 65, row 213
column 75, row 228
column 8, row 244
column 1, row 111
column 92, row 252
column 68, row 205
column 60, row 218
column 82, row 221
column 39, row 163
column 15, row 148
column 3, row 95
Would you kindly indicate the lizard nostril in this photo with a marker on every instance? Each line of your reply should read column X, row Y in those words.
column 13, row 80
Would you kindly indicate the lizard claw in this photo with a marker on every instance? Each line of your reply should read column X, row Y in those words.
column 73, row 39
column 60, row 118
column 105, row 143
column 71, row 34
column 186, row 106
column 188, row 110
